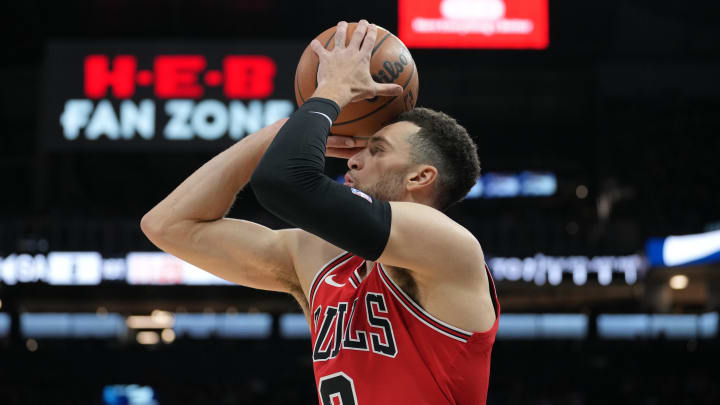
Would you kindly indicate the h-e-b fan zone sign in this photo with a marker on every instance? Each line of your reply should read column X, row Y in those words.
column 164, row 95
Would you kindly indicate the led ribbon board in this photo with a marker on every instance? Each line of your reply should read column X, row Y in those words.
column 684, row 250
column 159, row 268
column 164, row 95
column 499, row 24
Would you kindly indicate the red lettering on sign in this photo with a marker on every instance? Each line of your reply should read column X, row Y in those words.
column 144, row 77
column 180, row 76
column 99, row 76
column 213, row 78
column 176, row 76
column 249, row 76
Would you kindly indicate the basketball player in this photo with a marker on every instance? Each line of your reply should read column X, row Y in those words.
column 400, row 303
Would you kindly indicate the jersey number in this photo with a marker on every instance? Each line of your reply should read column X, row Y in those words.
column 338, row 385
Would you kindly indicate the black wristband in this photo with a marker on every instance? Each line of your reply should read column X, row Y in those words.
column 315, row 105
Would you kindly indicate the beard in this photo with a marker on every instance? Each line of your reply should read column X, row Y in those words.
column 389, row 187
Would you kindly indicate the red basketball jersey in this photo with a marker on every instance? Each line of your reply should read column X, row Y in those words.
column 373, row 345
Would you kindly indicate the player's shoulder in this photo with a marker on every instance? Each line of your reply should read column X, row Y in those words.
column 430, row 218
column 422, row 211
column 309, row 254
column 431, row 244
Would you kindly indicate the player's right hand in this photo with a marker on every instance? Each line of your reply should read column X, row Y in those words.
column 344, row 72
column 344, row 147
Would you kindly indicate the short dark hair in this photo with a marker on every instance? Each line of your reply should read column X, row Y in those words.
column 445, row 144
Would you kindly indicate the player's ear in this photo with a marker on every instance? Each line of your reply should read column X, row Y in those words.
column 421, row 176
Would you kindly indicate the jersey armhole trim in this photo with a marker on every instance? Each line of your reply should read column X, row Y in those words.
column 493, row 292
column 490, row 333
column 420, row 313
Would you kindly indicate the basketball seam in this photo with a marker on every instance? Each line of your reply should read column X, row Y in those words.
column 377, row 46
column 297, row 83
column 297, row 86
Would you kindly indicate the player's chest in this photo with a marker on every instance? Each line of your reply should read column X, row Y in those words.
column 361, row 320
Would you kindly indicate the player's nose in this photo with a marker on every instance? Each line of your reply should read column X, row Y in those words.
column 355, row 161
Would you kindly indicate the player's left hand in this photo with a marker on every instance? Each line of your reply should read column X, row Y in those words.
column 344, row 147
column 344, row 72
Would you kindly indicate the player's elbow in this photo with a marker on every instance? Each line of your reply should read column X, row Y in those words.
column 262, row 179
column 270, row 184
column 288, row 194
column 151, row 226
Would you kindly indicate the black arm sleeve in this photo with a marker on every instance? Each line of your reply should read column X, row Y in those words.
column 290, row 183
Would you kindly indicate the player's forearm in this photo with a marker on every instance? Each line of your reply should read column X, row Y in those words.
column 289, row 182
column 210, row 191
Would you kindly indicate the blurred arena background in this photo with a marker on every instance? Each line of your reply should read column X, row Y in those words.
column 599, row 145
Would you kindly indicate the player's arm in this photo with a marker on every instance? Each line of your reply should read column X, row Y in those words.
column 190, row 222
column 427, row 241
column 290, row 183
column 289, row 180
column 239, row 251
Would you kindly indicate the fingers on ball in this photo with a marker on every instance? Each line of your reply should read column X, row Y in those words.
column 317, row 47
column 370, row 38
column 340, row 34
column 359, row 34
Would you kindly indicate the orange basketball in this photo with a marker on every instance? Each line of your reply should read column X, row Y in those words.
column 391, row 62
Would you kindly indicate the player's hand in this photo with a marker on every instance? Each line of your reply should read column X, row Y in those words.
column 344, row 146
column 344, row 73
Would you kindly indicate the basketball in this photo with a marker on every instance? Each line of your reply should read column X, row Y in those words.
column 391, row 62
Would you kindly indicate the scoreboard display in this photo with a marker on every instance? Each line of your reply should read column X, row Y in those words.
column 474, row 24
column 164, row 95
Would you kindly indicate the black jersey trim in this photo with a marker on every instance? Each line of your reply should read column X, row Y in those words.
column 422, row 315
column 354, row 278
column 493, row 292
column 356, row 275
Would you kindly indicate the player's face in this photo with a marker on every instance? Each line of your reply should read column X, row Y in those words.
column 380, row 169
